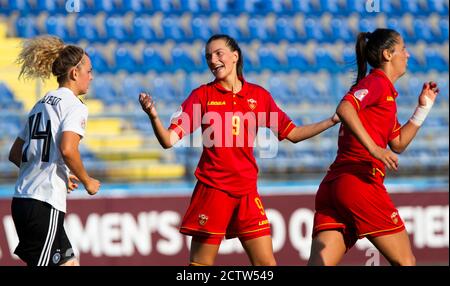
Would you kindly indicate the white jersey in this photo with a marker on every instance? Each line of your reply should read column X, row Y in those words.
column 43, row 174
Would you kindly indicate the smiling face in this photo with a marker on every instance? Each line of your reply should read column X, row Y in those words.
column 221, row 59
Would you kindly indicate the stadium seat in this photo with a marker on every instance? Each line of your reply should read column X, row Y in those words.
column 279, row 89
column 124, row 60
column 285, row 30
column 164, row 6
column 438, row 6
column 422, row 30
column 26, row 27
column 105, row 6
column 348, row 59
column 56, row 26
column 443, row 30
column 257, row 29
column 99, row 63
column 296, row 60
column 181, row 60
column 434, row 60
column 115, row 29
column 330, row 6
column 220, row 6
column 131, row 87
column 313, row 30
column 367, row 25
column 193, row 6
column 136, row 6
column 172, row 29
column 324, row 60
column 268, row 59
column 340, row 31
column 142, row 30
column 228, row 26
column 152, row 60
column 200, row 28
column 302, row 6
column 103, row 89
column 86, row 29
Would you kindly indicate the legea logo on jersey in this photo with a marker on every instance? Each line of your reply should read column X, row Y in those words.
column 360, row 94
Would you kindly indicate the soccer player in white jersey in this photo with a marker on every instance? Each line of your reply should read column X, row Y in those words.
column 46, row 151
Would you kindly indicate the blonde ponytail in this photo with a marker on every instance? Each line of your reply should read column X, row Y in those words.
column 38, row 55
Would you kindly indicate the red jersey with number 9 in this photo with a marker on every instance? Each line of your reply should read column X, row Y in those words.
column 229, row 125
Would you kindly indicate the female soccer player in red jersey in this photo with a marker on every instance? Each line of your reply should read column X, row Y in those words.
column 225, row 201
column 352, row 202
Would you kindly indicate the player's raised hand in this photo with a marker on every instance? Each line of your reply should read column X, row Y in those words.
column 147, row 104
column 429, row 90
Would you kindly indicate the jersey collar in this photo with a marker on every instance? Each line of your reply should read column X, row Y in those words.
column 380, row 73
column 241, row 93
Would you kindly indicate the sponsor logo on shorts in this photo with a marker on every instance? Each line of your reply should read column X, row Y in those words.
column 394, row 217
column 263, row 222
column 202, row 219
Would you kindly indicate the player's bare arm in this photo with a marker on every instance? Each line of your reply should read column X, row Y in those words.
column 408, row 131
column 71, row 155
column 300, row 133
column 15, row 154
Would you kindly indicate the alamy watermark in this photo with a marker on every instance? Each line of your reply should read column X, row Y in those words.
column 374, row 257
column 373, row 6
column 230, row 129
column 73, row 6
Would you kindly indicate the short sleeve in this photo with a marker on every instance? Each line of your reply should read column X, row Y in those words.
column 395, row 130
column 277, row 120
column 188, row 116
column 76, row 119
column 364, row 94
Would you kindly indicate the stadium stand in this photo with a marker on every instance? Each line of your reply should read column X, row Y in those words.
column 302, row 51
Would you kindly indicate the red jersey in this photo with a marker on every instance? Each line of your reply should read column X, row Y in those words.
column 229, row 126
column 374, row 99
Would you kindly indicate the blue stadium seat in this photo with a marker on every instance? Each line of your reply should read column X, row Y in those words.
column 162, row 89
column 272, row 6
column 341, row 31
column 105, row 6
column 443, row 30
column 414, row 64
column 313, row 30
column 324, row 60
column 367, row 25
column 220, row 6
column 165, row 6
column 201, row 28
column 26, row 27
column 348, row 59
column 86, row 29
column 152, row 60
column 142, row 30
column 410, row 6
column 124, row 60
column 268, row 59
column 356, row 6
column 422, row 30
column 193, row 6
column 296, row 60
column 19, row 5
column 394, row 24
column 285, row 29
column 302, row 6
column 331, row 6
column 49, row 6
column 131, row 87
column 136, row 6
column 438, row 6
column 257, row 29
column 279, row 90
column 172, row 29
column 228, row 26
column 115, row 29
column 434, row 60
column 57, row 26
column 103, row 89
column 181, row 60
column 99, row 63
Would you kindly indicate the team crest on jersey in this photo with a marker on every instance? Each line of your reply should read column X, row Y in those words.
column 252, row 103
column 361, row 93
column 83, row 123
column 394, row 217
column 202, row 219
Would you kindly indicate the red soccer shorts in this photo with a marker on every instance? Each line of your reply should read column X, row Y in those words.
column 358, row 205
column 213, row 214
